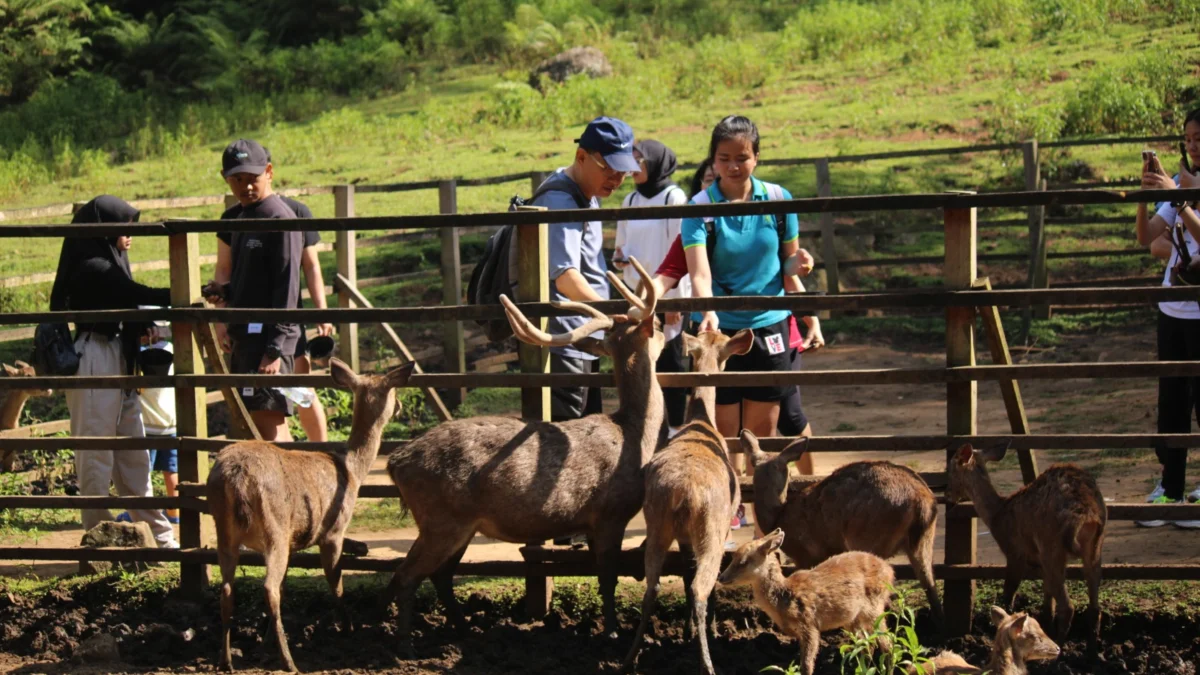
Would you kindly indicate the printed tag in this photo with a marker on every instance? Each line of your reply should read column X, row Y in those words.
column 254, row 328
column 775, row 344
column 247, row 391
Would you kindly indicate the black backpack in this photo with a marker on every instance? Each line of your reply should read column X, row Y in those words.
column 496, row 273
column 54, row 351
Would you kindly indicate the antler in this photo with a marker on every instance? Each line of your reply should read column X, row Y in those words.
column 639, row 309
column 528, row 333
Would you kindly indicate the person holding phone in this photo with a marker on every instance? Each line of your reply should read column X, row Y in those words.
column 1178, row 321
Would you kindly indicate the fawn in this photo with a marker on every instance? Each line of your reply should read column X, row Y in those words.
column 850, row 591
column 280, row 501
column 526, row 480
column 1019, row 639
column 1058, row 517
column 878, row 507
column 691, row 494
column 12, row 405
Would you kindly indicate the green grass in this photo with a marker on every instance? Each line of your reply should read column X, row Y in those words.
column 376, row 515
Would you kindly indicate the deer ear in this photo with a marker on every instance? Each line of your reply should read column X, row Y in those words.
column 741, row 343
column 1018, row 625
column 10, row 371
column 647, row 326
column 342, row 373
column 775, row 540
column 21, row 365
column 964, row 454
column 592, row 346
column 996, row 453
column 691, row 344
column 398, row 376
column 998, row 616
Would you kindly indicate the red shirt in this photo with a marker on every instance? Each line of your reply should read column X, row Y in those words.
column 674, row 265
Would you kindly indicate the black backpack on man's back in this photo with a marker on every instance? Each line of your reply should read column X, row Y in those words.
column 53, row 350
column 496, row 273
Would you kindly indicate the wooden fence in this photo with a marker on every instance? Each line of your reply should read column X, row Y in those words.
column 960, row 300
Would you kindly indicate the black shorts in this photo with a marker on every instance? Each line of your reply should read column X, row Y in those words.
column 760, row 360
column 302, row 343
column 792, row 420
column 247, row 355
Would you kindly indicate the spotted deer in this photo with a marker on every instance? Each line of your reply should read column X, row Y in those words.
column 1058, row 517
column 878, row 507
column 526, row 480
column 278, row 501
column 13, row 403
column 1019, row 640
column 691, row 494
column 848, row 591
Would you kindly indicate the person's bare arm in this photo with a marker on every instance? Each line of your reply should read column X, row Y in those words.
column 701, row 274
column 1149, row 229
column 222, row 273
column 572, row 284
column 1162, row 248
column 315, row 281
column 813, row 337
column 791, row 282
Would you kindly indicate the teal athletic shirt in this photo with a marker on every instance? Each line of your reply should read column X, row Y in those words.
column 746, row 261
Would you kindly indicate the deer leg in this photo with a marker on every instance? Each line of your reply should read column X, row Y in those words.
column 443, row 581
column 921, row 557
column 1091, row 571
column 708, row 566
column 1057, row 604
column 656, row 554
column 427, row 555
column 689, row 576
column 227, row 557
column 607, row 547
column 331, row 556
column 1012, row 581
column 276, row 562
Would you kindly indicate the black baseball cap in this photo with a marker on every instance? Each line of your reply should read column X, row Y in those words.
column 244, row 156
column 613, row 139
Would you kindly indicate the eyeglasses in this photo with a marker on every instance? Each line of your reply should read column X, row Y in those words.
column 609, row 171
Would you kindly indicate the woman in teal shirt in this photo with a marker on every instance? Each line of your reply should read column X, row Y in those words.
column 746, row 261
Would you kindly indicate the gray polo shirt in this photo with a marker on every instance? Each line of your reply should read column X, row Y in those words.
column 573, row 245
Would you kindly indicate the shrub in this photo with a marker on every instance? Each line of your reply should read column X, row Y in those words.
column 1016, row 117
column 1128, row 98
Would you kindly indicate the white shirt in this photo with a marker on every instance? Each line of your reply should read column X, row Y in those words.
column 158, row 405
column 1179, row 309
column 649, row 240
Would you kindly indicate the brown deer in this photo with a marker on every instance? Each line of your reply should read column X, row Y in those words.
column 877, row 507
column 13, row 404
column 525, row 481
column 278, row 501
column 849, row 591
column 1059, row 516
column 691, row 494
column 1019, row 639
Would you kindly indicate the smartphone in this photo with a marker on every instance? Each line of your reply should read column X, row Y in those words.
column 1187, row 164
column 1150, row 159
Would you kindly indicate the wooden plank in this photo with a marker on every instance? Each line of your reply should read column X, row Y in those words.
column 238, row 415
column 80, row 502
column 1010, row 390
column 435, row 401
column 961, row 406
column 454, row 351
column 533, row 285
column 828, row 234
column 34, row 430
column 347, row 268
column 190, row 409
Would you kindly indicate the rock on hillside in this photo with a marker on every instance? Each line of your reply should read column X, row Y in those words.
column 575, row 61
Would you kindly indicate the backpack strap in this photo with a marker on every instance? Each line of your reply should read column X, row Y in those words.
column 775, row 194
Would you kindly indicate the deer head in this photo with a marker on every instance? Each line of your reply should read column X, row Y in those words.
column 1024, row 635
column 23, row 369
column 970, row 463
column 749, row 558
column 374, row 395
column 710, row 349
column 625, row 333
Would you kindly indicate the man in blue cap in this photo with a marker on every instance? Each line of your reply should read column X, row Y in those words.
column 603, row 158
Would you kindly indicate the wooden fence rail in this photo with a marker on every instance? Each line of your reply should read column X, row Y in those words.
column 961, row 302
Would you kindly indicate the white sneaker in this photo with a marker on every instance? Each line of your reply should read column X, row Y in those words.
column 171, row 543
column 1158, row 492
column 1162, row 499
column 1188, row 524
column 1194, row 496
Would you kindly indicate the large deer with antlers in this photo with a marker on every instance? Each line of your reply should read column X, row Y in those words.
column 523, row 481
column 691, row 494
column 280, row 501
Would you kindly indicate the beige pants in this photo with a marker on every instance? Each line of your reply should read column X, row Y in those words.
column 111, row 412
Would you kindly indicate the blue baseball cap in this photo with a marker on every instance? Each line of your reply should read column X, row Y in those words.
column 613, row 139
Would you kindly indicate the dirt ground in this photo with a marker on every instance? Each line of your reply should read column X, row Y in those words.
column 501, row 641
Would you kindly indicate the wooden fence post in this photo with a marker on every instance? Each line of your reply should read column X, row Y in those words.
column 533, row 285
column 230, row 202
column 347, row 266
column 828, row 238
column 453, row 346
column 961, row 400
column 195, row 529
column 1038, row 275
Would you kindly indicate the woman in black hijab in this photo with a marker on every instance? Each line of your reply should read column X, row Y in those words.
column 649, row 241
column 94, row 273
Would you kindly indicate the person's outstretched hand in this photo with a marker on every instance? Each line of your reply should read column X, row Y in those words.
column 709, row 322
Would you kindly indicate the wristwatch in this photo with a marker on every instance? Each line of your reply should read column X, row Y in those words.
column 272, row 352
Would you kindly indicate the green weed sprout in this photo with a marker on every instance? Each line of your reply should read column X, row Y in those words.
column 886, row 651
